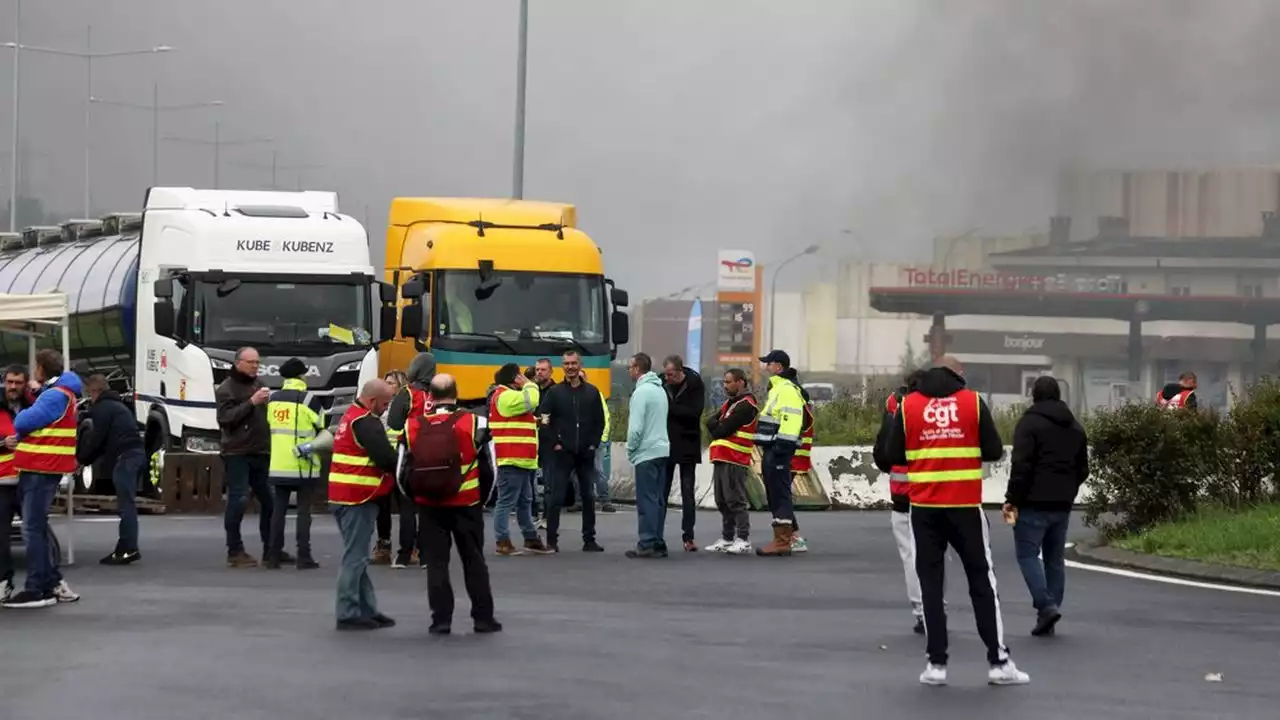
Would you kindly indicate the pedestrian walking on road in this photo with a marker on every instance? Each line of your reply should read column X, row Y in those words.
column 246, row 452
column 687, row 399
column 297, row 434
column 447, row 448
column 1050, row 463
column 15, row 401
column 411, row 400
column 899, row 498
column 362, row 470
column 44, row 442
column 574, row 415
column 942, row 433
column 733, row 433
column 647, row 450
column 778, row 433
column 514, row 429
column 113, row 435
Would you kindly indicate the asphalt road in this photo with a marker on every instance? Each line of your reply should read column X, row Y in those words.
column 826, row 635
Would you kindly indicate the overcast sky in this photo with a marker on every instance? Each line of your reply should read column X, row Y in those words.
column 677, row 126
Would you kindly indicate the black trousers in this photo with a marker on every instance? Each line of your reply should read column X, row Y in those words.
column 966, row 530
column 441, row 528
column 563, row 465
column 9, row 508
column 406, row 509
column 305, row 491
column 688, row 496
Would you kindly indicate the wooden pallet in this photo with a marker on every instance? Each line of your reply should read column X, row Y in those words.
column 106, row 504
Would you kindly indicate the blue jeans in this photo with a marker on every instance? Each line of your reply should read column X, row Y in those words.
column 649, row 502
column 125, row 476
column 1043, row 532
column 247, row 473
column 604, row 455
column 515, row 490
column 36, row 492
column 355, row 590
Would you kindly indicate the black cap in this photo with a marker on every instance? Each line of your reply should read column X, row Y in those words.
column 293, row 368
column 777, row 356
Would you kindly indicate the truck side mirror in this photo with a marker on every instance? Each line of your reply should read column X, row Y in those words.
column 416, row 287
column 386, row 323
column 619, row 297
column 164, row 315
column 621, row 325
column 411, row 321
column 387, row 293
column 163, row 288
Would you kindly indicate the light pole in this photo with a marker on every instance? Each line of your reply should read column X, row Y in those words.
column 156, row 108
column 17, row 88
column 88, row 55
column 217, row 142
column 275, row 167
column 773, row 288
column 522, row 53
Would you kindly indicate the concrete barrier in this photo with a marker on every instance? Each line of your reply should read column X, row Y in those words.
column 843, row 478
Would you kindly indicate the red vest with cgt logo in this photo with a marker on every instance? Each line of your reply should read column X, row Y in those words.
column 944, row 455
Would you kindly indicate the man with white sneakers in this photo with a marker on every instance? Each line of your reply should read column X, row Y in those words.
column 733, row 432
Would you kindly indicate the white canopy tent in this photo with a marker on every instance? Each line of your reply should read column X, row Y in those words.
column 36, row 316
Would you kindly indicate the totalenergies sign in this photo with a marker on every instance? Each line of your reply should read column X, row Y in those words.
column 736, row 271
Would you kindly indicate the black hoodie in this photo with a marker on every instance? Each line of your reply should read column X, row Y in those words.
column 1050, row 458
column 113, row 432
column 937, row 383
column 1172, row 389
column 686, row 403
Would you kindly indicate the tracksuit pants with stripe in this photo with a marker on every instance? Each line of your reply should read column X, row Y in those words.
column 965, row 529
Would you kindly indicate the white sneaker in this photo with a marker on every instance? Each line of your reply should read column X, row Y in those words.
column 64, row 593
column 799, row 544
column 935, row 674
column 6, row 590
column 719, row 546
column 1007, row 674
column 740, row 547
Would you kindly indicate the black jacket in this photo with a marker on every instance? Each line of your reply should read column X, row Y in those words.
column 686, row 403
column 880, row 452
column 1050, row 458
column 244, row 425
column 1172, row 389
column 741, row 415
column 113, row 431
column 546, row 437
column 577, row 416
column 937, row 383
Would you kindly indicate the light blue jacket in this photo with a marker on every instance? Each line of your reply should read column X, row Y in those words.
column 647, row 421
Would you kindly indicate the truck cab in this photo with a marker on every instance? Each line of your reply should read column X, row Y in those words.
column 283, row 272
column 486, row 282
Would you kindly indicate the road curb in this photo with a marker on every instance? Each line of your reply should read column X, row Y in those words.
column 1174, row 567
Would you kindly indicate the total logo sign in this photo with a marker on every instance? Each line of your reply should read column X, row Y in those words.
column 736, row 271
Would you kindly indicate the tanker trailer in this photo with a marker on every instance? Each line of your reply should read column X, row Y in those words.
column 162, row 300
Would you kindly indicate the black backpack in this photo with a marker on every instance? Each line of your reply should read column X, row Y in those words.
column 435, row 463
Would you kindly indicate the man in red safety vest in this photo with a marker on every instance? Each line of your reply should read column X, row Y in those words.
column 942, row 433
column 733, row 441
column 1181, row 394
column 899, row 497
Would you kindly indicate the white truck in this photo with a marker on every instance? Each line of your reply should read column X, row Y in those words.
column 162, row 300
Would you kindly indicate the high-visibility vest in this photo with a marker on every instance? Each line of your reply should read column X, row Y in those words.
column 514, row 427
column 738, row 447
column 802, row 461
column 465, row 429
column 419, row 405
column 783, row 414
column 8, row 470
column 608, row 420
column 1174, row 403
column 51, row 450
column 944, row 454
column 353, row 478
column 898, row 484
column 292, row 423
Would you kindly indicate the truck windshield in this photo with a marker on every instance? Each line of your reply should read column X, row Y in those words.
column 272, row 314
column 521, row 309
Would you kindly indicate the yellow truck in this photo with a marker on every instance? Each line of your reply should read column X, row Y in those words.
column 484, row 282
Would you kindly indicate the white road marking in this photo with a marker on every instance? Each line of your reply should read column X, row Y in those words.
column 1171, row 580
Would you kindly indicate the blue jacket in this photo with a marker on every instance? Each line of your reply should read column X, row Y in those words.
column 49, row 405
column 647, row 421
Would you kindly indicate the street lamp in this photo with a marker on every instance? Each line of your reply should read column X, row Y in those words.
column 773, row 289
column 217, row 142
column 522, row 54
column 156, row 108
column 275, row 166
column 88, row 55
